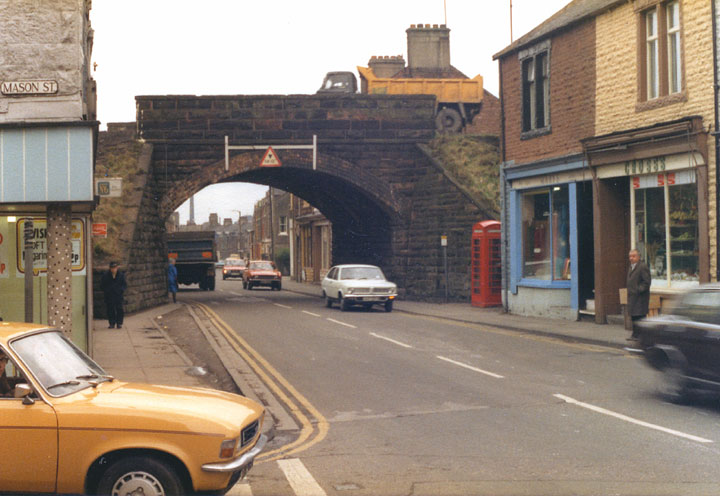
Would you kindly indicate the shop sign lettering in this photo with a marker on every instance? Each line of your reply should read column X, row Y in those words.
column 644, row 165
column 39, row 242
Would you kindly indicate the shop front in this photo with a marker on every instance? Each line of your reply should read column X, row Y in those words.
column 46, row 201
column 549, row 238
column 651, row 195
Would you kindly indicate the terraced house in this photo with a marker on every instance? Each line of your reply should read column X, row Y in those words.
column 608, row 110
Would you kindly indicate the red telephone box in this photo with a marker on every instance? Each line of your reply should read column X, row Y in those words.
column 486, row 264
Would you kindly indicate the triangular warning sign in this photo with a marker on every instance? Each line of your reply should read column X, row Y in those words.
column 270, row 159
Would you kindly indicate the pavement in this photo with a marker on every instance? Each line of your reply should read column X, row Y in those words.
column 143, row 352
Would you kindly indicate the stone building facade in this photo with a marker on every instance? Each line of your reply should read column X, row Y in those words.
column 607, row 111
column 48, row 131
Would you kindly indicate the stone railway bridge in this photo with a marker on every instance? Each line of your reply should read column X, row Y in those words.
column 388, row 200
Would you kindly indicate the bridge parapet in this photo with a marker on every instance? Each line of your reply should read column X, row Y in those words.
column 282, row 118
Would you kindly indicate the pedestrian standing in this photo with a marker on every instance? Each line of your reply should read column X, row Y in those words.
column 638, row 290
column 172, row 279
column 114, row 285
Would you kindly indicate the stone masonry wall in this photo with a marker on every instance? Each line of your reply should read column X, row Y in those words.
column 44, row 41
column 372, row 181
column 616, row 47
column 572, row 90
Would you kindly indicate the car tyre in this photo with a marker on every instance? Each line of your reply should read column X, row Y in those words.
column 141, row 474
column 388, row 305
column 674, row 386
column 344, row 304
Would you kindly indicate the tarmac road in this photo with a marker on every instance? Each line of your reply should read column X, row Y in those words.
column 412, row 404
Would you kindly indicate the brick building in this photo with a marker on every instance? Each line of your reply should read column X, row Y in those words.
column 269, row 238
column 310, row 242
column 607, row 107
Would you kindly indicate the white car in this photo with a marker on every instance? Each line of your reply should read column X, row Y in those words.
column 358, row 285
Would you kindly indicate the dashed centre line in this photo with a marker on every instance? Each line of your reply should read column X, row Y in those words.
column 281, row 306
column 404, row 345
column 310, row 313
column 342, row 323
column 470, row 367
column 632, row 420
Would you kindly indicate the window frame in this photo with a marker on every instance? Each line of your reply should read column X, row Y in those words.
column 535, row 82
column 552, row 233
column 665, row 58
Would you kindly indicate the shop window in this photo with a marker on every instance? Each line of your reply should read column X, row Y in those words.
column 660, row 58
column 666, row 226
column 546, row 245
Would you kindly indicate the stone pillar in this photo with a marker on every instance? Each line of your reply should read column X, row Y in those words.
column 59, row 267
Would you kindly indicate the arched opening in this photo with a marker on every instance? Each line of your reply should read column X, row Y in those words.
column 360, row 227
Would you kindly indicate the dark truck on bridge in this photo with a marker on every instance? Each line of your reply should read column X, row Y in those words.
column 195, row 255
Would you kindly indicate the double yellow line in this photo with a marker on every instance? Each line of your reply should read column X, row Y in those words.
column 282, row 389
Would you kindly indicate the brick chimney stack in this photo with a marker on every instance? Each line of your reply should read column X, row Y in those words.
column 428, row 46
column 385, row 66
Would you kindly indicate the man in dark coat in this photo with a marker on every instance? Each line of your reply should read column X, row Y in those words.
column 114, row 285
column 638, row 289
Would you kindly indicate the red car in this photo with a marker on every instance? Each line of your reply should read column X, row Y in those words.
column 234, row 267
column 262, row 273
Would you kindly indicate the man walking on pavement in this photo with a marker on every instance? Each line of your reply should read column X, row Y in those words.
column 638, row 290
column 114, row 285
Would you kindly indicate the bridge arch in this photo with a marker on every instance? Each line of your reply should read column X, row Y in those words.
column 363, row 210
column 388, row 200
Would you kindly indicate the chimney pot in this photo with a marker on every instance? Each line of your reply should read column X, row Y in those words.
column 428, row 48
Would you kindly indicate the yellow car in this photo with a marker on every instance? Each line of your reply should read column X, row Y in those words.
column 68, row 427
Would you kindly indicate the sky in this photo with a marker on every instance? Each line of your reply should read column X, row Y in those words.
column 255, row 47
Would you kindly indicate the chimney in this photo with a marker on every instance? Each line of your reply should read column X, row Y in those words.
column 386, row 67
column 428, row 46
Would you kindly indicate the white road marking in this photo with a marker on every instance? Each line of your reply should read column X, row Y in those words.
column 620, row 416
column 310, row 313
column 470, row 367
column 343, row 323
column 282, row 306
column 391, row 340
column 236, row 293
column 242, row 488
column 302, row 483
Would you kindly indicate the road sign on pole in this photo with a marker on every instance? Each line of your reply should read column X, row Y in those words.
column 270, row 159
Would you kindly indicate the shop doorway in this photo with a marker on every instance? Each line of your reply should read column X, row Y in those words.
column 586, row 249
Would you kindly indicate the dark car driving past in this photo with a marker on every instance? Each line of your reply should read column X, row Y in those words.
column 685, row 343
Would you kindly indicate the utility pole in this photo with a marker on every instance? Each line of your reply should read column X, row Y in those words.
column 272, row 226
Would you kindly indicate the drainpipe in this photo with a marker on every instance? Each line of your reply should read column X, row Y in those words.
column 503, row 192
column 716, row 88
